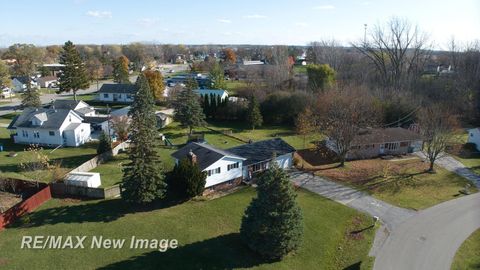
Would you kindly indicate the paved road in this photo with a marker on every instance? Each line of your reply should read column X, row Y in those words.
column 430, row 239
column 451, row 164
column 390, row 215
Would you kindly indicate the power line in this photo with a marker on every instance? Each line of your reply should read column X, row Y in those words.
column 403, row 118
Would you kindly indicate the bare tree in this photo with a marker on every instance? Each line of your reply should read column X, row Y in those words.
column 342, row 114
column 120, row 125
column 436, row 126
column 398, row 51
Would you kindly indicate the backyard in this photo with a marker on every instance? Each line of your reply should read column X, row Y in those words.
column 403, row 182
column 68, row 158
column 335, row 237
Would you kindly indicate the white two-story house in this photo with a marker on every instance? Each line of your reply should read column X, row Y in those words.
column 50, row 127
column 117, row 93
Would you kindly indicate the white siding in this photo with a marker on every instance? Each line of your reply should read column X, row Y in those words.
column 45, row 138
column 111, row 97
column 224, row 174
column 474, row 137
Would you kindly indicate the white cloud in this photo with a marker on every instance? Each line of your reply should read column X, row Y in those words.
column 324, row 7
column 147, row 22
column 255, row 16
column 224, row 20
column 99, row 14
column 301, row 24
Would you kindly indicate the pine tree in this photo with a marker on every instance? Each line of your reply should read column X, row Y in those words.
column 188, row 110
column 31, row 97
column 191, row 84
column 272, row 224
column 254, row 116
column 143, row 178
column 206, row 105
column 120, row 70
column 104, row 144
column 187, row 180
column 74, row 74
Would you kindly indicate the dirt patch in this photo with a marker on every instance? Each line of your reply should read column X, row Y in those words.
column 318, row 156
column 7, row 200
column 3, row 262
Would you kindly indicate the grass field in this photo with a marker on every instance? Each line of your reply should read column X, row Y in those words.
column 468, row 256
column 7, row 118
column 68, row 157
column 404, row 183
column 207, row 232
column 111, row 171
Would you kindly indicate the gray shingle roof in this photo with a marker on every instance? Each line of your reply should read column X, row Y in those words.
column 384, row 135
column 122, row 88
column 206, row 154
column 65, row 104
column 54, row 118
column 262, row 150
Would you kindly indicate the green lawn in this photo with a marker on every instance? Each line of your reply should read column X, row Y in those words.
column 468, row 256
column 69, row 157
column 7, row 118
column 233, row 86
column 111, row 171
column 207, row 232
column 402, row 183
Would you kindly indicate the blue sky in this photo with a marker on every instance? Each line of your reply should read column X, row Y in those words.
column 298, row 22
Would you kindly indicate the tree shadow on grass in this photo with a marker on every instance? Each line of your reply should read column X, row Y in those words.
column 101, row 211
column 355, row 266
column 221, row 252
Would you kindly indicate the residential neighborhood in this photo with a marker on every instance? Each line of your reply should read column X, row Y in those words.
column 245, row 135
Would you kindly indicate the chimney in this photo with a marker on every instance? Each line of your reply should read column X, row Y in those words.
column 192, row 157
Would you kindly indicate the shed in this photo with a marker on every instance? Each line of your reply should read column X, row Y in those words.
column 83, row 179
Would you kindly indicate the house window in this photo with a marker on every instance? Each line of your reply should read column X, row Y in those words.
column 25, row 133
column 217, row 170
column 214, row 171
column 105, row 95
column 51, row 133
column 391, row 146
column 36, row 134
column 232, row 166
column 129, row 96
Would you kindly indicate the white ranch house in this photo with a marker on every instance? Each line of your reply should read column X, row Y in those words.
column 117, row 93
column 228, row 168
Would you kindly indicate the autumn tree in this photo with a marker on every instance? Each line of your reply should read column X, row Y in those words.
column 398, row 51
column 342, row 114
column 320, row 77
column 229, row 56
column 95, row 69
column 26, row 56
column 155, row 81
column 436, row 126
column 121, row 125
column 120, row 70
column 4, row 75
column 305, row 124
column 74, row 74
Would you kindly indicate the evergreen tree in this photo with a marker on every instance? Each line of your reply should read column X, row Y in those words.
column 272, row 224
column 187, row 180
column 188, row 110
column 191, row 84
column 206, row 106
column 74, row 74
column 120, row 70
column 104, row 144
column 217, row 77
column 143, row 178
column 254, row 116
column 31, row 97
column 213, row 106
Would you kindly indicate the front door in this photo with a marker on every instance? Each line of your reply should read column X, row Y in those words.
column 382, row 149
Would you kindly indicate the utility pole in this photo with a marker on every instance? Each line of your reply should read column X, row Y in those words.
column 365, row 36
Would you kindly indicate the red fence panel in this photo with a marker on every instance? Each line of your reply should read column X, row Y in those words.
column 25, row 206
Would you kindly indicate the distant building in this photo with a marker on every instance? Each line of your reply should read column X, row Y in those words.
column 47, row 82
column 79, row 106
column 50, row 127
column 6, row 92
column 20, row 84
column 117, row 93
column 215, row 92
